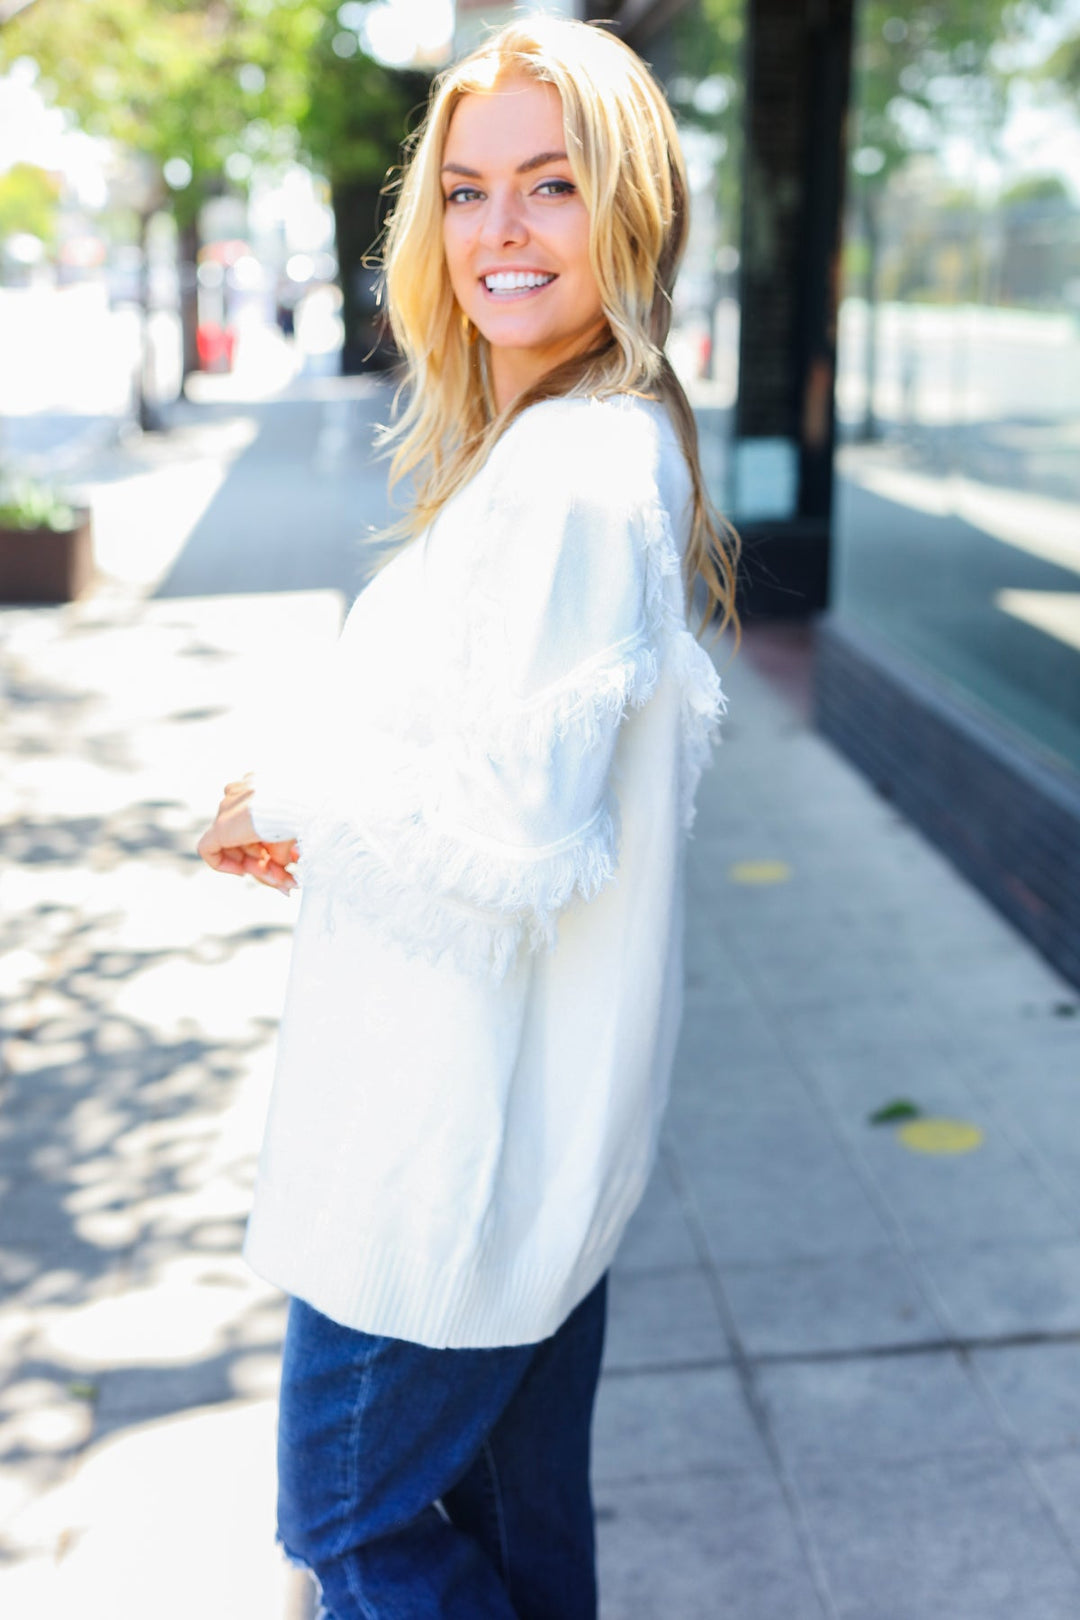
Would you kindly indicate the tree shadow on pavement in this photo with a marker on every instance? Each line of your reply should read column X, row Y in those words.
column 133, row 1081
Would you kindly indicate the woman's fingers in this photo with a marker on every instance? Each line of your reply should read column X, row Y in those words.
column 260, row 864
column 284, row 852
column 230, row 843
column 251, row 860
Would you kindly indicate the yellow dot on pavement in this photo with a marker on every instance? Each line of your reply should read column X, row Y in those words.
column 940, row 1136
column 759, row 872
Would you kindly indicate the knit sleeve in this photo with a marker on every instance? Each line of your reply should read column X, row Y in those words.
column 467, row 836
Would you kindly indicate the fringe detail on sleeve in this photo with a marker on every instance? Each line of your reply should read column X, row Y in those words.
column 702, row 697
column 439, row 895
column 704, row 704
column 588, row 703
column 599, row 694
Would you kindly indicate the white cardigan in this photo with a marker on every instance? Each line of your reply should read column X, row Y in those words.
column 486, row 978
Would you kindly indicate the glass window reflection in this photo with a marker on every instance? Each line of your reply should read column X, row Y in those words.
column 958, row 392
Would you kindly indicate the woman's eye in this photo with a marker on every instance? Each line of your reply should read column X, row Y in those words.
column 556, row 188
column 462, row 194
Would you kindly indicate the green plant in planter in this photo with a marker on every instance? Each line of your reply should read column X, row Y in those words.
column 25, row 504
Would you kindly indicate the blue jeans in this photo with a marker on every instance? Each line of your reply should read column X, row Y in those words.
column 421, row 1484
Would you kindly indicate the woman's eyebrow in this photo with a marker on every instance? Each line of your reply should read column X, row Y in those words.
column 536, row 162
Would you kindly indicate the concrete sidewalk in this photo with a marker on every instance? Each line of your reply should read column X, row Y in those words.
column 843, row 1365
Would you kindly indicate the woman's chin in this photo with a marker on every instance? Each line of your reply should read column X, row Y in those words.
column 517, row 334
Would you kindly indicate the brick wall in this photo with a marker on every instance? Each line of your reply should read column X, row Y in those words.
column 1008, row 820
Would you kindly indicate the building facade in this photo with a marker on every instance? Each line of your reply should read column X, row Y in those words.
column 949, row 664
column 878, row 324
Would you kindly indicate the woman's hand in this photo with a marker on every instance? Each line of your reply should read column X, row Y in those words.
column 230, row 843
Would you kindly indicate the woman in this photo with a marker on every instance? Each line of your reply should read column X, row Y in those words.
column 490, row 816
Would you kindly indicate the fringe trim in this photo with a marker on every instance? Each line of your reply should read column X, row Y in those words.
column 477, row 903
column 621, row 678
column 704, row 704
column 588, row 704
column 437, row 896
column 703, row 699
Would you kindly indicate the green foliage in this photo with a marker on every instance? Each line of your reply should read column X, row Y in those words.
column 25, row 504
column 1063, row 66
column 28, row 200
column 708, row 39
column 205, row 80
column 357, row 112
column 922, row 70
column 1035, row 188
column 702, row 68
column 190, row 79
column 894, row 1113
column 201, row 80
column 357, row 118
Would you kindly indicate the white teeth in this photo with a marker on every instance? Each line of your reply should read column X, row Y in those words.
column 512, row 280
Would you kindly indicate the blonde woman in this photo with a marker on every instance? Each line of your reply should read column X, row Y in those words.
column 490, row 818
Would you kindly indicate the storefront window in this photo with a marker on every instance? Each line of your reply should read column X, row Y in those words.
column 957, row 524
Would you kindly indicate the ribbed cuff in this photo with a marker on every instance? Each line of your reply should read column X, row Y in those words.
column 276, row 817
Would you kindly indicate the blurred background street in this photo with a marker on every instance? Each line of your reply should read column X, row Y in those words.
column 842, row 1378
column 812, row 1316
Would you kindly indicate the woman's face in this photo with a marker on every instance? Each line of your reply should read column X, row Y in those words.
column 516, row 233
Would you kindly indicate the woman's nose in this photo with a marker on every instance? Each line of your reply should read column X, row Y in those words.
column 504, row 221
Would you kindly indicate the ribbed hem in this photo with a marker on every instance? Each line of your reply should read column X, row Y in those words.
column 446, row 1305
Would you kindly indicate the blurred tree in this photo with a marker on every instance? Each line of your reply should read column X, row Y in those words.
column 699, row 59
column 1036, row 188
column 28, row 202
column 187, row 83
column 703, row 76
column 357, row 116
column 922, row 71
column 192, row 83
column 1063, row 65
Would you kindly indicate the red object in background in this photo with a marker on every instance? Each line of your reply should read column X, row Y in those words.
column 216, row 346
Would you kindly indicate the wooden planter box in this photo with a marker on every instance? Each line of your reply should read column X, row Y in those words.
column 46, row 565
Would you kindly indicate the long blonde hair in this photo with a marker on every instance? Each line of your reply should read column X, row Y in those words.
column 624, row 154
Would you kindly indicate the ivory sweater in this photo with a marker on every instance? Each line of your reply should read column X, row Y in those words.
column 485, row 988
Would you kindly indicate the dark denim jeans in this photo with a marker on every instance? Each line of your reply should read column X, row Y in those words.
column 422, row 1484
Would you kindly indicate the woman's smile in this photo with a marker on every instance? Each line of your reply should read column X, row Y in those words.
column 513, row 283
